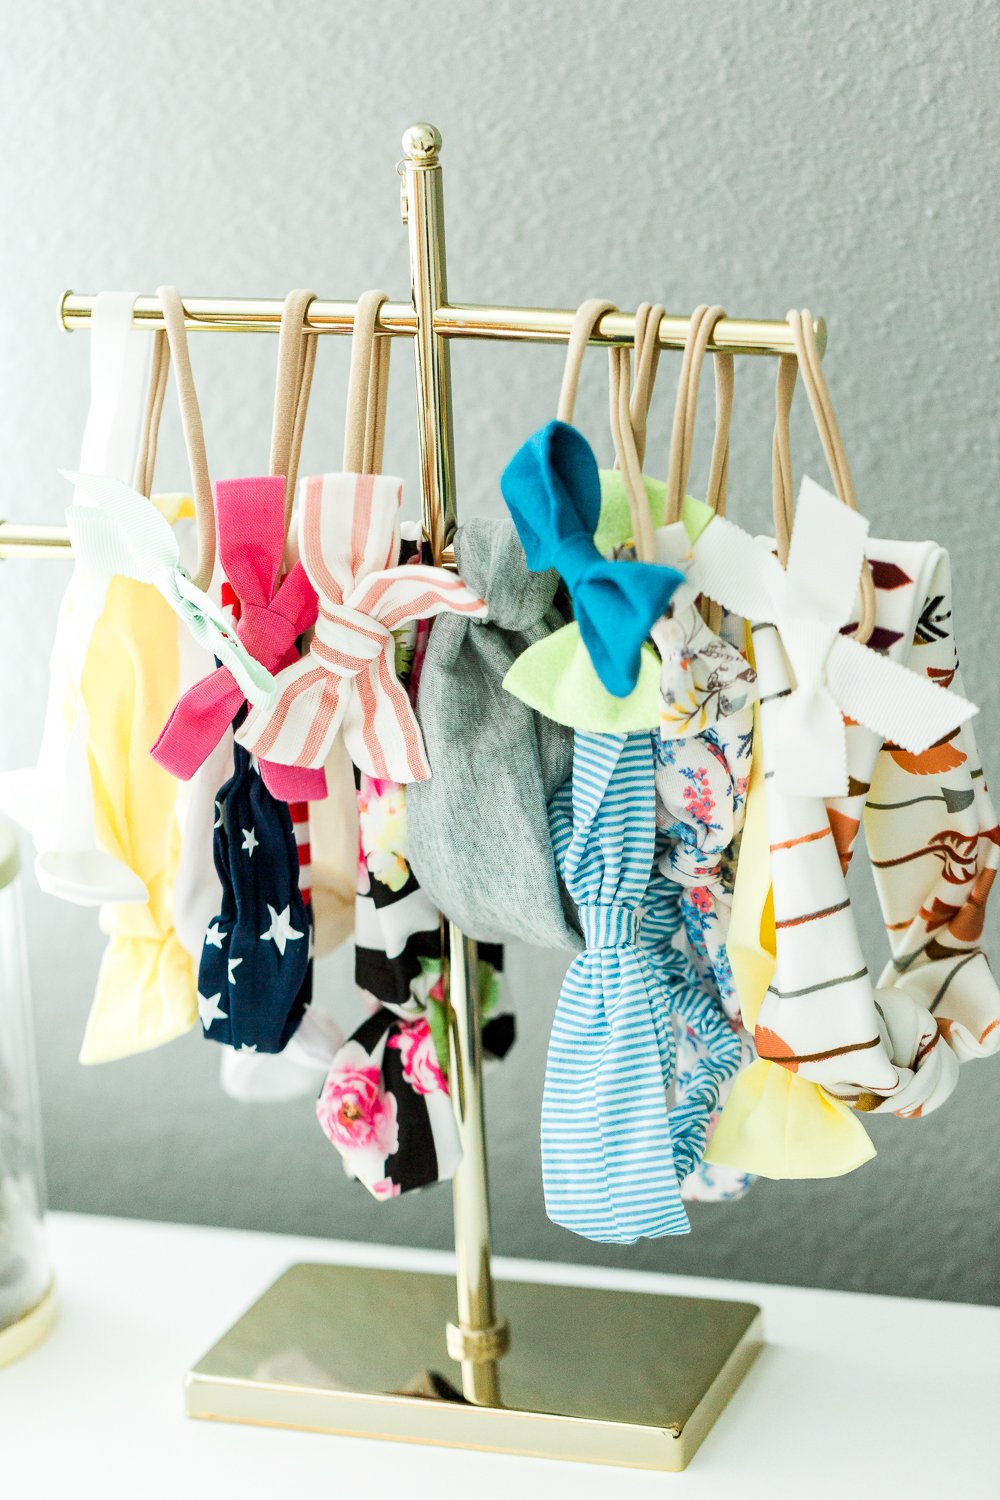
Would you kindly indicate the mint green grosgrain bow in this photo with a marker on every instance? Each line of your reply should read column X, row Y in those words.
column 122, row 533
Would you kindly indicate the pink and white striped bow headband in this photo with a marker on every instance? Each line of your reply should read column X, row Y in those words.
column 349, row 546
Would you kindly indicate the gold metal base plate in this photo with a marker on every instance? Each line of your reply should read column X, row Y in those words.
column 628, row 1378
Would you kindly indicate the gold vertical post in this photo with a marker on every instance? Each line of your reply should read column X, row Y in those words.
column 423, row 210
column 478, row 1338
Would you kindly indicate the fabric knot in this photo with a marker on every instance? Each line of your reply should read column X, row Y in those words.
column 553, row 492
column 267, row 634
column 614, row 926
column 349, row 545
column 808, row 644
column 347, row 641
column 573, row 556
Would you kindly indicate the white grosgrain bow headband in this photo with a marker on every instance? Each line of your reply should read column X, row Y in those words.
column 121, row 532
column 809, row 603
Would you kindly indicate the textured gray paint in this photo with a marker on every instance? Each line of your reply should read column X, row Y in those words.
column 782, row 153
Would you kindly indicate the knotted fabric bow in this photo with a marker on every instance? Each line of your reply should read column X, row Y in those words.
column 704, row 678
column 121, row 533
column 349, row 543
column 499, row 879
column 607, row 1152
column 271, row 616
column 553, row 491
column 826, row 1035
column 834, row 676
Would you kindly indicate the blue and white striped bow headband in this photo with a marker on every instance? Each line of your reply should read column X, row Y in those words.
column 607, row 1152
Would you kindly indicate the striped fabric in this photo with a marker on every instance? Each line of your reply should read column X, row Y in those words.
column 932, row 835
column 349, row 543
column 822, row 1016
column 607, row 1150
column 300, row 827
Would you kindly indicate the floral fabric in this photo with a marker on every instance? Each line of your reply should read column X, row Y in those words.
column 703, row 756
column 704, row 677
column 385, row 1105
column 701, row 786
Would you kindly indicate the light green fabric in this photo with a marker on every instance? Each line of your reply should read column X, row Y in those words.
column 555, row 676
column 615, row 525
column 696, row 515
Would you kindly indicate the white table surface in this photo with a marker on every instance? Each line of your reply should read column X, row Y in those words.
column 854, row 1395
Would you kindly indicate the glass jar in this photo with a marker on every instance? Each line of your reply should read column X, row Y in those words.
column 26, row 1302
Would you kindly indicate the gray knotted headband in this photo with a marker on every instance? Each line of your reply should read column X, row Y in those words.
column 478, row 829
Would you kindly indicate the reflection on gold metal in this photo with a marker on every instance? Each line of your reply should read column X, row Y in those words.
column 17, row 1339
column 626, row 1378
column 432, row 357
column 479, row 1338
column 33, row 541
column 244, row 315
column 534, row 325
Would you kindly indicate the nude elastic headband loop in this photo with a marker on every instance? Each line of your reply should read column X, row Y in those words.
column 169, row 346
column 296, row 359
column 588, row 315
column 821, row 402
column 366, row 389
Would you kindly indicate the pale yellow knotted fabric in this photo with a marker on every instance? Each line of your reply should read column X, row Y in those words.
column 145, row 994
column 146, row 990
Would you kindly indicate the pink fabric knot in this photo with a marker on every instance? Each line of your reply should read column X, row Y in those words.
column 271, row 616
column 349, row 541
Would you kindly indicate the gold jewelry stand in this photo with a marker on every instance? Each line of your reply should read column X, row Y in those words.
column 607, row 1377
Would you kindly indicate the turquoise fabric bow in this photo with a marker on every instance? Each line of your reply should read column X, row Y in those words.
column 553, row 491
column 122, row 533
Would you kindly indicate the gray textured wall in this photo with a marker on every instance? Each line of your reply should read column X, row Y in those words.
column 779, row 154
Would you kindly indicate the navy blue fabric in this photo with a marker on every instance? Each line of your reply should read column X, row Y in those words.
column 251, row 992
column 553, row 491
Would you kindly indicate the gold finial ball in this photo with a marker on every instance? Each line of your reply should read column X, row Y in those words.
column 421, row 142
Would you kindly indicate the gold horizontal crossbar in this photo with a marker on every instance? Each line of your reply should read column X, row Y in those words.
column 533, row 325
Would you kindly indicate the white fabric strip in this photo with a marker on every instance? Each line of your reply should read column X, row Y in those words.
column 833, row 677
column 54, row 801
